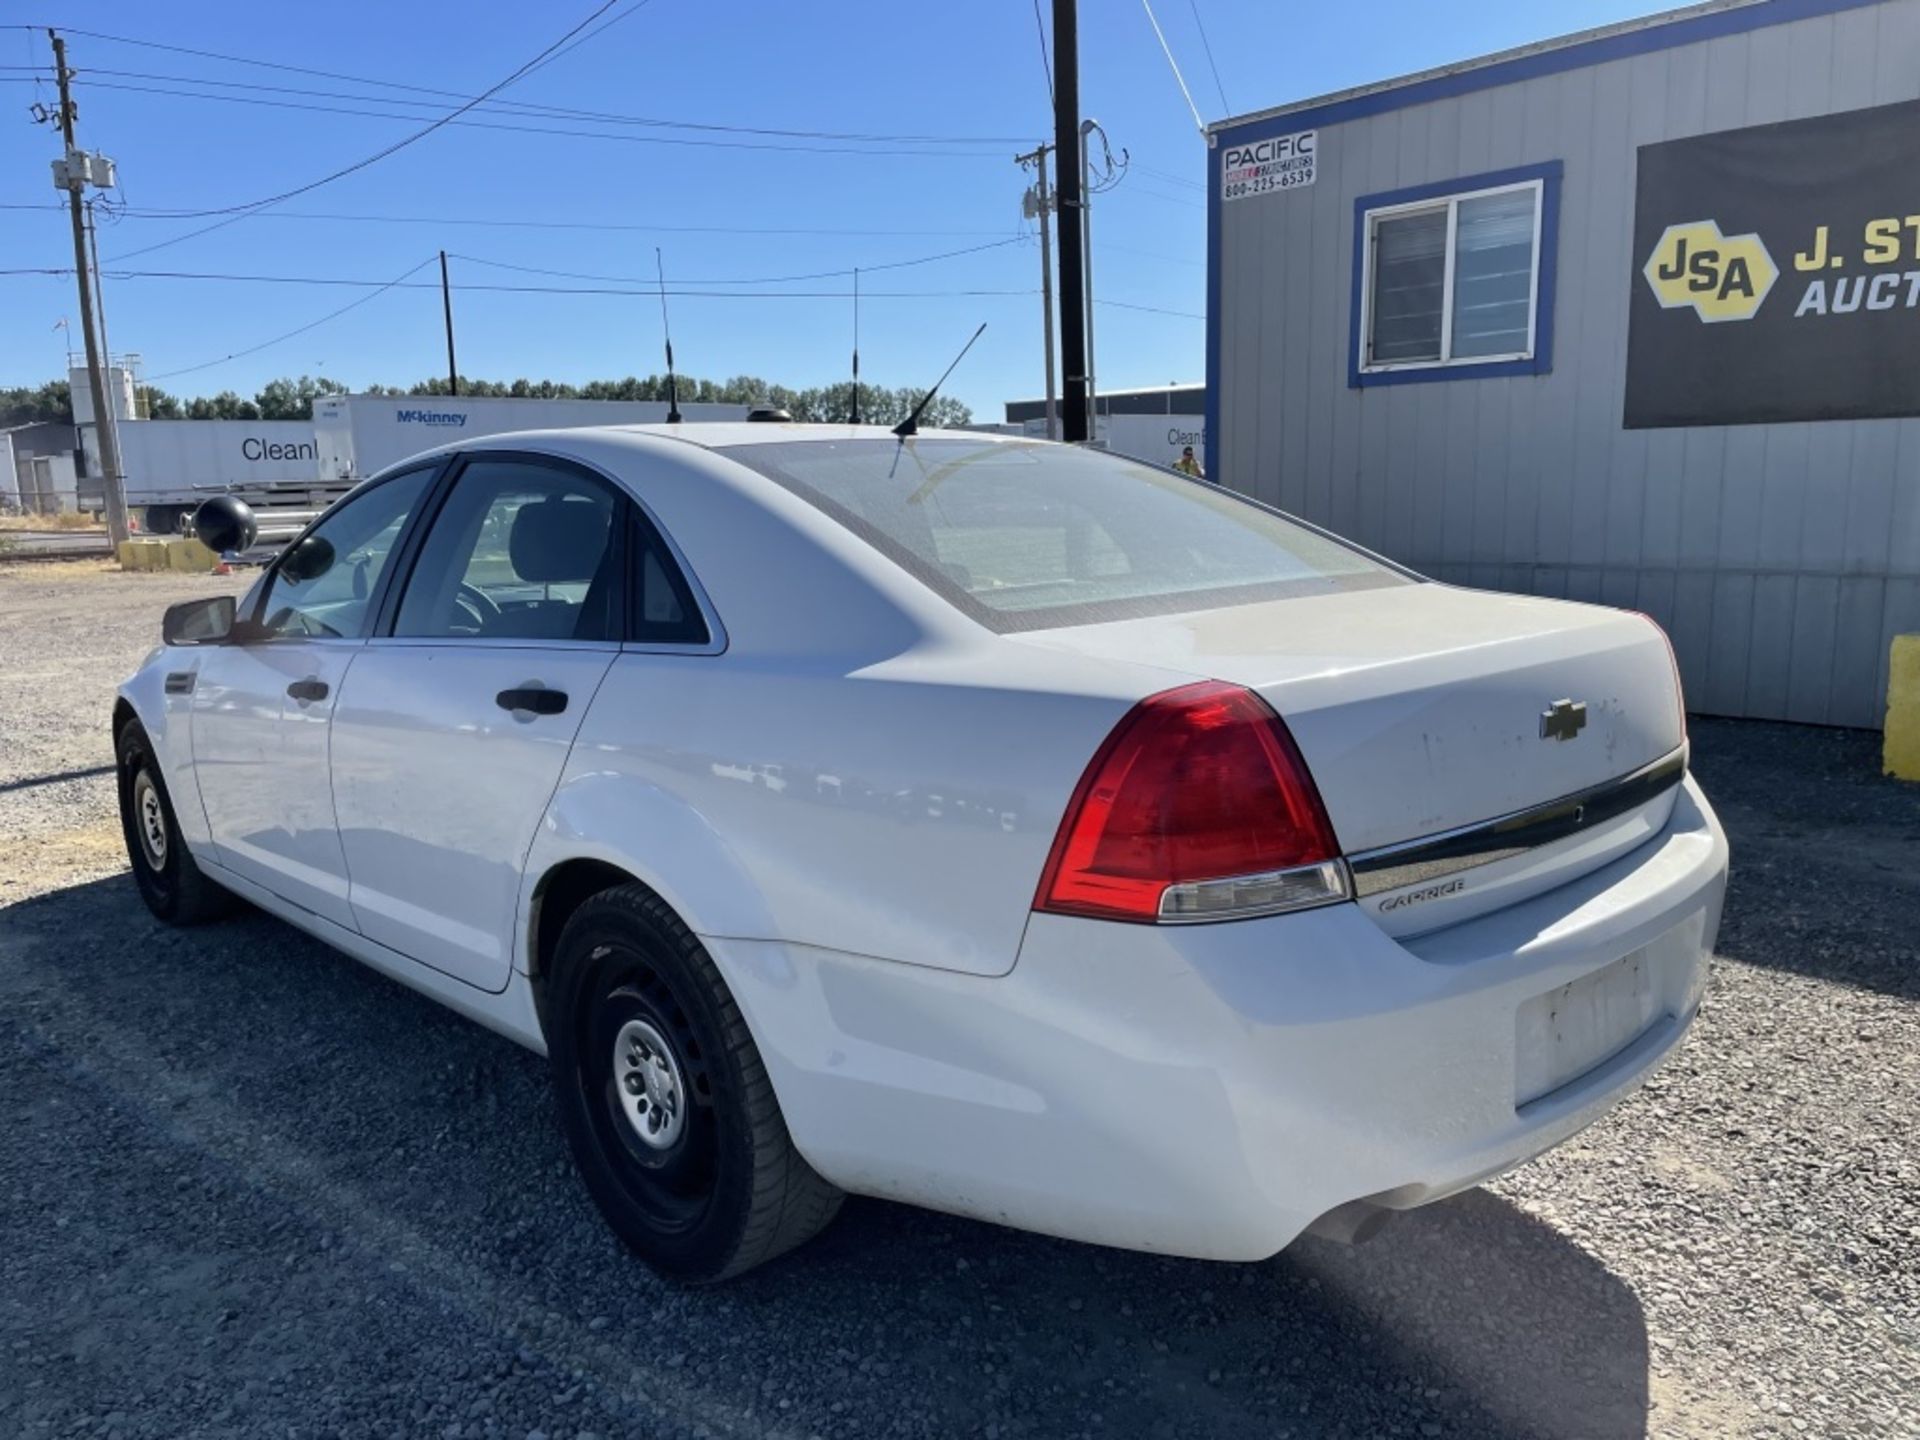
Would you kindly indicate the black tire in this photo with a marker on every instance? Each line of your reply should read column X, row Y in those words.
column 719, row 1188
column 174, row 888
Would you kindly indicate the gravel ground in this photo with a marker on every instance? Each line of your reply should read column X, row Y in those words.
column 250, row 1188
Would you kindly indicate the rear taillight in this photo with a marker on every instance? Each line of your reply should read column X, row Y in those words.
column 1197, row 807
column 1673, row 659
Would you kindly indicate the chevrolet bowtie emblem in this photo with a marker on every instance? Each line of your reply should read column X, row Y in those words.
column 1563, row 720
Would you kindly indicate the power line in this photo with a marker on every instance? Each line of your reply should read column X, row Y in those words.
column 596, row 31
column 922, row 148
column 531, row 110
column 1149, row 309
column 1188, row 202
column 301, row 330
column 1207, row 45
column 235, row 213
column 1169, row 177
column 649, row 293
column 1174, row 65
column 750, row 279
column 418, row 135
column 1046, row 61
column 607, row 116
column 492, row 223
column 554, row 130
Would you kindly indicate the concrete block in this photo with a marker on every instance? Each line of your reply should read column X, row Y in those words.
column 145, row 553
column 1902, row 753
column 187, row 553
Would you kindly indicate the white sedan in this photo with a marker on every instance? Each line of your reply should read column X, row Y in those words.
column 1002, row 827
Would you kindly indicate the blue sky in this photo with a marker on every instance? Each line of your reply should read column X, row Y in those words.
column 969, row 73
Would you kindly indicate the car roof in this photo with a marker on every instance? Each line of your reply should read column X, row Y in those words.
column 728, row 434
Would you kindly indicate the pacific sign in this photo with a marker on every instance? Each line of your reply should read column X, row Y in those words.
column 1285, row 162
column 1778, row 274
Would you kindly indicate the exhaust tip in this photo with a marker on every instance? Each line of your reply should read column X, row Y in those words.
column 1353, row 1223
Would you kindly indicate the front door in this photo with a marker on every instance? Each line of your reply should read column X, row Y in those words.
column 262, row 706
column 451, row 733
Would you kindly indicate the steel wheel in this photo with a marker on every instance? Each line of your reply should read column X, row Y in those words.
column 150, row 819
column 170, row 882
column 655, row 1108
column 665, row 1099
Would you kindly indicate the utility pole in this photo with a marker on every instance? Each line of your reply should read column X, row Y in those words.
column 446, row 304
column 99, row 290
column 853, row 417
column 1073, row 281
column 1087, row 127
column 71, row 173
column 1039, row 201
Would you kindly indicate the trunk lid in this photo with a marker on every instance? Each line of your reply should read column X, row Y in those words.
column 1419, row 708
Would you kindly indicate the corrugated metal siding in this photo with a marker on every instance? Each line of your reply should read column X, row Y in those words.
column 1781, row 558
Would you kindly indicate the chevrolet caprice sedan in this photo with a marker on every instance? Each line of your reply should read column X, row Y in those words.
column 1002, row 827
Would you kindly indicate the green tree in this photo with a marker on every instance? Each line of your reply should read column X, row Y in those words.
column 287, row 399
column 224, row 406
column 28, row 405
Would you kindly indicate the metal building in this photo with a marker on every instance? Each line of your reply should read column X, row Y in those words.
column 1631, row 316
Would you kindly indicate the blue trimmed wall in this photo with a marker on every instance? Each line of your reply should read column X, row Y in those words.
column 1781, row 557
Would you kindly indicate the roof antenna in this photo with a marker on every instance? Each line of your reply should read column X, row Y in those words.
column 673, row 388
column 911, row 425
column 854, row 418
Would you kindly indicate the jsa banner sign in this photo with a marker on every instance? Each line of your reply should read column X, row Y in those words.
column 1778, row 273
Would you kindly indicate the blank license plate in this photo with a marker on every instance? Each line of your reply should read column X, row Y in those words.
column 1567, row 1032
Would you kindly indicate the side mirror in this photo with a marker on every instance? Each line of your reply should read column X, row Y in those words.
column 224, row 524
column 308, row 560
column 198, row 622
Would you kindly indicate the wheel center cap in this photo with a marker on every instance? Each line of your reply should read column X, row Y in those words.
column 153, row 825
column 648, row 1080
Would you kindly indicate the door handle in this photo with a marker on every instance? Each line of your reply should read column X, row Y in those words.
column 306, row 690
column 533, row 698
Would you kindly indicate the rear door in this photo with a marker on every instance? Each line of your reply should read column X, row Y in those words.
column 455, row 722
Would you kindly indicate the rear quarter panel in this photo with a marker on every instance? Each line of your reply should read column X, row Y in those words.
column 902, row 810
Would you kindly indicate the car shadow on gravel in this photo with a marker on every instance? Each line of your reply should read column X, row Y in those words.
column 357, row 1175
column 1826, row 852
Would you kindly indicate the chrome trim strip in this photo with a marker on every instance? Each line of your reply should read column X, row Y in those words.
column 1332, row 876
column 1434, row 857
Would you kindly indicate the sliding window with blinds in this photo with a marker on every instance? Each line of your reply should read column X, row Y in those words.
column 1452, row 280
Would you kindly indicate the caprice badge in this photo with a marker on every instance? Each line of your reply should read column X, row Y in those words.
column 1563, row 719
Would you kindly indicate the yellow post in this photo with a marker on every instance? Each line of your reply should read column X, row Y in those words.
column 1902, row 754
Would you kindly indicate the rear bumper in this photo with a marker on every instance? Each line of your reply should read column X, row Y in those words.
column 1211, row 1090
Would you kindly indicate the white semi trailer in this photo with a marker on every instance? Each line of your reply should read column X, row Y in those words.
column 359, row 435
column 172, row 465
column 289, row 470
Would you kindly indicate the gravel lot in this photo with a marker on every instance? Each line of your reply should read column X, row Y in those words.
column 249, row 1188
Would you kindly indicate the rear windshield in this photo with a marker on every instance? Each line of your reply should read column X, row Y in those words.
column 1030, row 536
